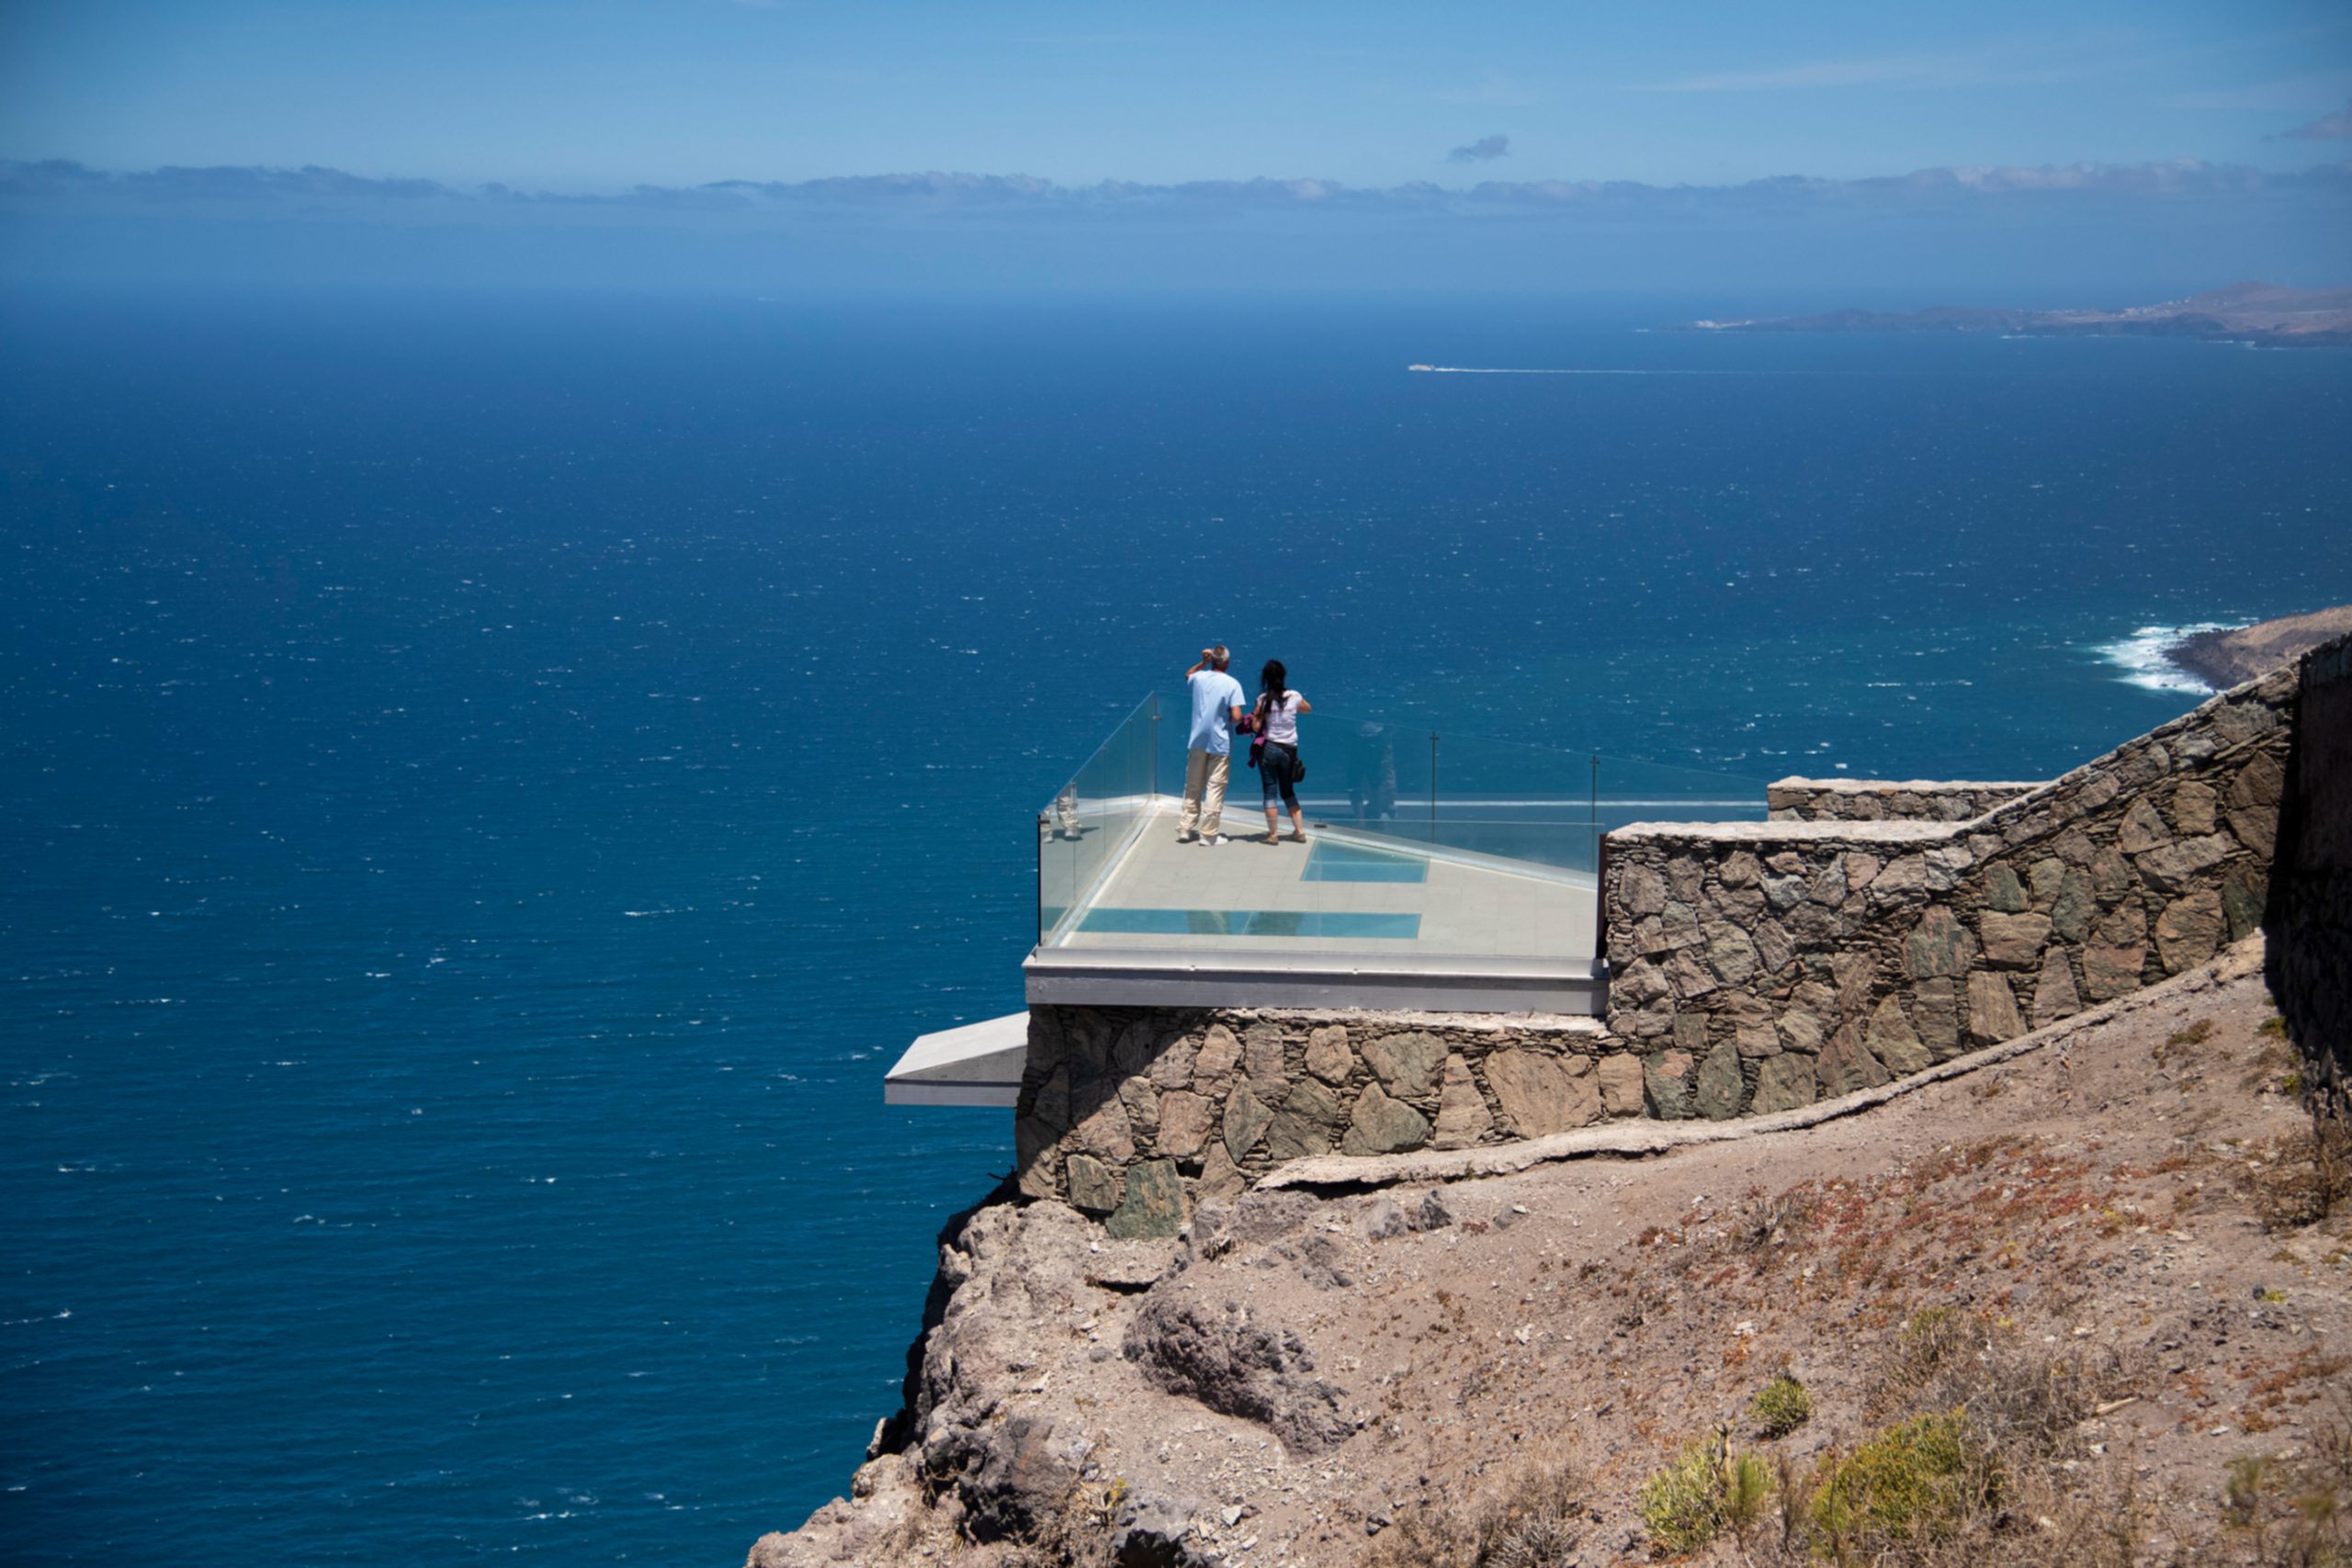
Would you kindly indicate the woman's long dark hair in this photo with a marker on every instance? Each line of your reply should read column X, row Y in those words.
column 1271, row 682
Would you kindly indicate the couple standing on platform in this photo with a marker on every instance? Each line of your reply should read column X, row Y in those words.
column 1217, row 717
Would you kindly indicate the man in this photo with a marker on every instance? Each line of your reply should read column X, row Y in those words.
column 1217, row 708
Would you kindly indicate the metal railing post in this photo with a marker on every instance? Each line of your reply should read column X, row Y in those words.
column 1155, row 745
column 1432, row 788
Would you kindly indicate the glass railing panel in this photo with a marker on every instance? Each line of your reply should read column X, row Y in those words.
column 1092, row 819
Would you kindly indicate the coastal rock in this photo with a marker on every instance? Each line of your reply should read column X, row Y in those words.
column 1218, row 1353
column 1153, row 1531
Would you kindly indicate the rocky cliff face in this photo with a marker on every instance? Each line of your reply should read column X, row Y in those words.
column 1305, row 1378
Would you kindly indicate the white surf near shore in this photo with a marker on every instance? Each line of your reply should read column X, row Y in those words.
column 2145, row 658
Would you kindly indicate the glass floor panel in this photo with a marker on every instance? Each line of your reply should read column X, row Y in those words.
column 1254, row 922
column 1331, row 862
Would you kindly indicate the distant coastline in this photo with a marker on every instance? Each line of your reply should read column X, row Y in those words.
column 2263, row 315
column 2230, row 657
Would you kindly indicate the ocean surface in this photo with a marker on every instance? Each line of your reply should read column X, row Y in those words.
column 488, row 784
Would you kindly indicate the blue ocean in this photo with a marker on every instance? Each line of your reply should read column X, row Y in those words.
column 491, row 781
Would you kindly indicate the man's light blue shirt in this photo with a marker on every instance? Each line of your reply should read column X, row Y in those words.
column 1214, row 696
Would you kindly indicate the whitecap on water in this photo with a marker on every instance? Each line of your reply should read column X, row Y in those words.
column 2142, row 657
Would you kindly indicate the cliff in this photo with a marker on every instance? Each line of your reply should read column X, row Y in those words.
column 2224, row 659
column 2122, row 1208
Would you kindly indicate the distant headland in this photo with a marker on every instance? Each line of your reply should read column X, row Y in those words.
column 2262, row 314
column 2225, row 659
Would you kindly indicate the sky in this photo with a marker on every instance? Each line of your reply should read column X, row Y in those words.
column 625, row 114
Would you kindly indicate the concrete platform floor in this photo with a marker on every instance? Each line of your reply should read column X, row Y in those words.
column 1343, row 891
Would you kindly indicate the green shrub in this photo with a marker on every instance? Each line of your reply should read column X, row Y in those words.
column 1922, row 1477
column 1682, row 1506
column 1781, row 1406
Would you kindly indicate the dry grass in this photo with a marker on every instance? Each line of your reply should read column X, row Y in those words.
column 2301, row 1179
column 1534, row 1517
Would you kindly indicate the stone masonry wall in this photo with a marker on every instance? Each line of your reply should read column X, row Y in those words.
column 1760, row 966
column 1129, row 1112
column 1886, row 800
column 1818, row 957
column 2310, row 915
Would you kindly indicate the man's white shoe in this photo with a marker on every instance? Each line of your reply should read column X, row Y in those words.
column 1210, row 840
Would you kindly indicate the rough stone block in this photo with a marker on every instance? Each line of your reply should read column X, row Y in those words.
column 2055, row 996
column 2014, row 941
column 1262, row 1055
column 1171, row 1066
column 1463, row 1118
column 2003, row 891
column 2111, row 876
column 1185, row 1119
column 1666, row 1081
column 1846, row 1065
column 1539, row 1094
column 1992, row 1009
column 2174, row 867
column 2189, row 930
column 1306, row 1125
column 1245, row 1119
column 1717, row 1092
column 1731, row 955
column 2243, row 892
column 1384, row 1126
column 1740, row 869
column 2144, row 828
column 1938, row 945
column 1105, row 1132
column 1642, row 891
column 2072, row 905
column 1619, row 1077
column 1154, row 1204
column 1407, row 1063
column 2193, row 809
column 2109, row 972
column 2045, row 876
column 1093, row 1185
column 1220, row 1177
column 1220, row 1054
column 1894, row 1042
column 1329, row 1058
column 1783, row 1083
column 1801, row 1030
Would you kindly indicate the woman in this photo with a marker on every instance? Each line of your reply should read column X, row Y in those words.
column 1277, row 718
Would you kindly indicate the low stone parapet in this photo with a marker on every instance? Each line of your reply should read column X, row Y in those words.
column 1886, row 800
column 1815, row 957
column 1126, row 1113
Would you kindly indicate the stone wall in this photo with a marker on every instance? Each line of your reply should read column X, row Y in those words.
column 1886, row 800
column 2310, row 915
column 1818, row 957
column 1129, row 1112
column 1760, row 966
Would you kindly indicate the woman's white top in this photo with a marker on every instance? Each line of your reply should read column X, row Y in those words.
column 1281, row 719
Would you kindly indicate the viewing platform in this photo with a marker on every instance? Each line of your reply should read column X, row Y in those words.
column 1442, row 873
